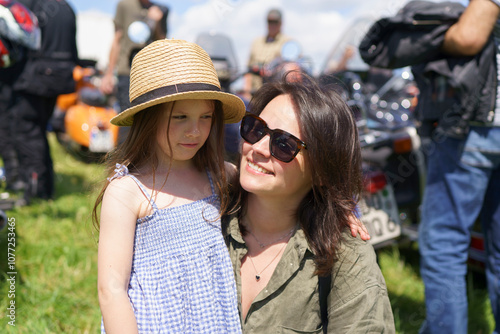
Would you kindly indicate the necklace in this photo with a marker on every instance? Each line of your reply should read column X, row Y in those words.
column 262, row 245
column 257, row 274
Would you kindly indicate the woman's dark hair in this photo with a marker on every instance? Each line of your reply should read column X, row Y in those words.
column 139, row 149
column 334, row 158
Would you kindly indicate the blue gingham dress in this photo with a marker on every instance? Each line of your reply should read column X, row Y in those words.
column 182, row 279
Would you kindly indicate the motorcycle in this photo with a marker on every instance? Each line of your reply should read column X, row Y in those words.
column 394, row 165
column 220, row 49
column 81, row 119
column 379, row 205
column 392, row 106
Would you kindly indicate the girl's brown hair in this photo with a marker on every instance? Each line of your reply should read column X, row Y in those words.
column 334, row 158
column 139, row 150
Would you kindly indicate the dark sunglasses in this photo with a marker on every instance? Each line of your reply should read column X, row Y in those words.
column 273, row 21
column 283, row 145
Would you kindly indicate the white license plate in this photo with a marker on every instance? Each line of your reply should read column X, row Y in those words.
column 379, row 213
column 101, row 141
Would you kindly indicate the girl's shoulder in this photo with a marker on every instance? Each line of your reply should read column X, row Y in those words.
column 124, row 193
column 123, row 181
column 124, row 188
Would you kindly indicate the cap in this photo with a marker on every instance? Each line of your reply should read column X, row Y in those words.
column 274, row 14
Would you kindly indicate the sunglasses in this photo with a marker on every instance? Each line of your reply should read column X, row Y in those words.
column 273, row 21
column 283, row 145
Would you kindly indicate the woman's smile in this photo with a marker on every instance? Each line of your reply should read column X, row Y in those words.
column 257, row 168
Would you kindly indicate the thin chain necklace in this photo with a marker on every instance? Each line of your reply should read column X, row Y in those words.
column 257, row 274
column 262, row 245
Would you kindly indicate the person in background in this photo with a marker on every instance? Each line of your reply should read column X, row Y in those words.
column 45, row 74
column 463, row 181
column 122, row 48
column 8, row 152
column 21, row 35
column 297, row 267
column 264, row 50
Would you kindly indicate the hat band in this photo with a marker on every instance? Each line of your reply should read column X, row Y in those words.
column 173, row 89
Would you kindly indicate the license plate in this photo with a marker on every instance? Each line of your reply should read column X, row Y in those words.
column 101, row 141
column 379, row 213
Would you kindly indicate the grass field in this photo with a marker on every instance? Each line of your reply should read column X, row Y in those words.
column 56, row 264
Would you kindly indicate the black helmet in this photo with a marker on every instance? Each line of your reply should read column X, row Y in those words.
column 19, row 31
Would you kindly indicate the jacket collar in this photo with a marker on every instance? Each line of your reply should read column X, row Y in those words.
column 298, row 240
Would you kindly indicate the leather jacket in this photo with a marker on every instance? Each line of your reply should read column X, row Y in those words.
column 454, row 91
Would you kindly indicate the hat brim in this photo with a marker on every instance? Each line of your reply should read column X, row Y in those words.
column 232, row 106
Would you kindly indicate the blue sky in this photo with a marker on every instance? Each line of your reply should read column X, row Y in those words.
column 108, row 6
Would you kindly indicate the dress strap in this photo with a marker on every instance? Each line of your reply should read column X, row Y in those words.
column 211, row 182
column 122, row 170
column 145, row 192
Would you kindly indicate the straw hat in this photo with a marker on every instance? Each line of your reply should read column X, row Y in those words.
column 169, row 70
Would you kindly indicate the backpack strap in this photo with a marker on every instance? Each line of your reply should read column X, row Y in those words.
column 324, row 287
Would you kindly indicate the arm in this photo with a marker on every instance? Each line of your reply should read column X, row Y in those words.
column 155, row 15
column 247, row 86
column 107, row 83
column 116, row 240
column 248, row 77
column 469, row 35
column 341, row 65
column 358, row 301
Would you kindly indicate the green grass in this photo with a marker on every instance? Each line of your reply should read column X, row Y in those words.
column 56, row 256
column 400, row 266
column 56, row 264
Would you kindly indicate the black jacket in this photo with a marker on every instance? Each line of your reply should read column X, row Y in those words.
column 49, row 71
column 454, row 91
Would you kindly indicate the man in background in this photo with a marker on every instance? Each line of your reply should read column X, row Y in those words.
column 463, row 183
column 122, row 47
column 45, row 74
column 264, row 50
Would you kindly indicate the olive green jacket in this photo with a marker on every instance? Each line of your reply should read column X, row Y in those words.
column 357, row 303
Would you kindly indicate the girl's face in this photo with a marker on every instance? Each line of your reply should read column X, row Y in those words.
column 190, row 124
column 261, row 173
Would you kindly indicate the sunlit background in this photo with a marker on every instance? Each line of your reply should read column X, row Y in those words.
column 316, row 24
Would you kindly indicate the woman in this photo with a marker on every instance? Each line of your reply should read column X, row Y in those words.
column 300, row 183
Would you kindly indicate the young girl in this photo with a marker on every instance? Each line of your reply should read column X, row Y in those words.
column 163, row 266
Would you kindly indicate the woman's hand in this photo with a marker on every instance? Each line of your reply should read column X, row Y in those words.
column 356, row 227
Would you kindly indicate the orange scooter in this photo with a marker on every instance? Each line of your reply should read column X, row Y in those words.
column 81, row 119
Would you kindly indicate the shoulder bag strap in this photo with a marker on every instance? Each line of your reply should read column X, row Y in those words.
column 324, row 287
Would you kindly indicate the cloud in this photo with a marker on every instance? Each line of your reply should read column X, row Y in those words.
column 316, row 24
column 95, row 32
column 316, row 29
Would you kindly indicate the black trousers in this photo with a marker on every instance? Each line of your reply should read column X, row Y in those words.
column 7, row 148
column 30, row 115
